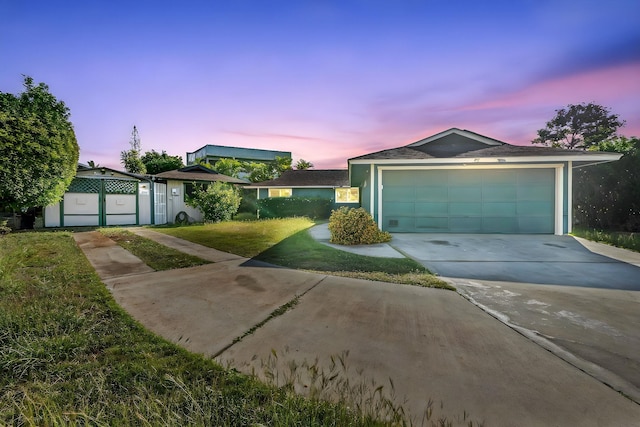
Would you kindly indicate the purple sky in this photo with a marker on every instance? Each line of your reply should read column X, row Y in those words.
column 326, row 80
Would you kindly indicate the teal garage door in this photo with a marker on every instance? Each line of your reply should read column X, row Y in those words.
column 469, row 201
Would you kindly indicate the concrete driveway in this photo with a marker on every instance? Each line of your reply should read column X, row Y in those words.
column 417, row 343
column 542, row 259
column 578, row 299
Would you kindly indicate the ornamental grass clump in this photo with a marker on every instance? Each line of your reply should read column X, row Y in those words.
column 349, row 226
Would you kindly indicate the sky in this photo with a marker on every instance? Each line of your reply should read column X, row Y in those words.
column 325, row 79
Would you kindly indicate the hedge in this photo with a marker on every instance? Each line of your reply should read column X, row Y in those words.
column 283, row 207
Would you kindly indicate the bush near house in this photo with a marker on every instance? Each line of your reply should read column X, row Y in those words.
column 285, row 207
column 349, row 226
column 219, row 202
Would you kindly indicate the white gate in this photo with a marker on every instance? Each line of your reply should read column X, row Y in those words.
column 160, row 203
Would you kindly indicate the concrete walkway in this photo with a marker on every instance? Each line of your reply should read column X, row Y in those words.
column 433, row 344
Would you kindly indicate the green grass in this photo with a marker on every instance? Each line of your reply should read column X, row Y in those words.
column 615, row 238
column 244, row 238
column 155, row 255
column 70, row 355
column 286, row 242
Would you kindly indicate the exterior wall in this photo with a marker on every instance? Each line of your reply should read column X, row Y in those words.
column 52, row 215
column 176, row 204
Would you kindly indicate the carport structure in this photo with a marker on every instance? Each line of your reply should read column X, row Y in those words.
column 458, row 181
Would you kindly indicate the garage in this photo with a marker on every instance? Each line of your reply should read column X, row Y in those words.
column 458, row 181
column 469, row 200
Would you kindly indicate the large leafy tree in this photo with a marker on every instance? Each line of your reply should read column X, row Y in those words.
column 579, row 127
column 155, row 162
column 130, row 159
column 38, row 147
column 607, row 196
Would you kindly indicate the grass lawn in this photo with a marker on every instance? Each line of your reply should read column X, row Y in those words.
column 70, row 355
column 286, row 242
column 615, row 238
column 155, row 255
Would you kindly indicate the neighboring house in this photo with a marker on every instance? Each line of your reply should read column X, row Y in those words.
column 212, row 153
column 458, row 181
column 330, row 184
column 180, row 185
column 104, row 197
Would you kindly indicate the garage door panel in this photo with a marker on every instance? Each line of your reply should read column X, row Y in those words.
column 400, row 224
column 536, row 177
column 532, row 224
column 499, row 193
column 432, row 209
column 499, row 177
column 527, row 208
column 470, row 201
column 465, row 209
column 433, row 224
column 466, row 193
column 463, row 177
column 499, row 224
column 432, row 193
column 465, row 224
column 399, row 194
column 399, row 208
column 535, row 192
column 499, row 209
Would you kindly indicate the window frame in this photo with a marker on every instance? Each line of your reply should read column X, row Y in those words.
column 279, row 190
column 349, row 194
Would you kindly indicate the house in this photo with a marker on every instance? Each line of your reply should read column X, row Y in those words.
column 103, row 197
column 212, row 153
column 330, row 184
column 179, row 185
column 458, row 181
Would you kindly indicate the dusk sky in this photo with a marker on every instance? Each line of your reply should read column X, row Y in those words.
column 326, row 80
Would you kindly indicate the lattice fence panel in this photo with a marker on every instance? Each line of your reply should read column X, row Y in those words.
column 84, row 185
column 116, row 186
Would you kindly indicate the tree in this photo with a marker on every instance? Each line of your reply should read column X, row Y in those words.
column 38, row 147
column 579, row 127
column 258, row 171
column 93, row 164
column 156, row 163
column 131, row 158
column 303, row 164
column 607, row 196
column 219, row 202
column 230, row 167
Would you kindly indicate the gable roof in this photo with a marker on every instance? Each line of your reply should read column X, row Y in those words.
column 199, row 173
column 456, row 145
column 308, row 178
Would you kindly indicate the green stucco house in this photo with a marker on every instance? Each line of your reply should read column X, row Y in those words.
column 330, row 184
column 458, row 181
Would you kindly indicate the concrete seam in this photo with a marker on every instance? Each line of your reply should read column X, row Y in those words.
column 289, row 305
column 596, row 372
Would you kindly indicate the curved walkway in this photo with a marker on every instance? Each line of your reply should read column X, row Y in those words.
column 431, row 343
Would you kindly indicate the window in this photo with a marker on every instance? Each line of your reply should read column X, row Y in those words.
column 189, row 189
column 280, row 192
column 348, row 195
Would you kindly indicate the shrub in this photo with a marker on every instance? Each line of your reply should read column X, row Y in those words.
column 219, row 202
column 285, row 207
column 350, row 226
column 3, row 228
